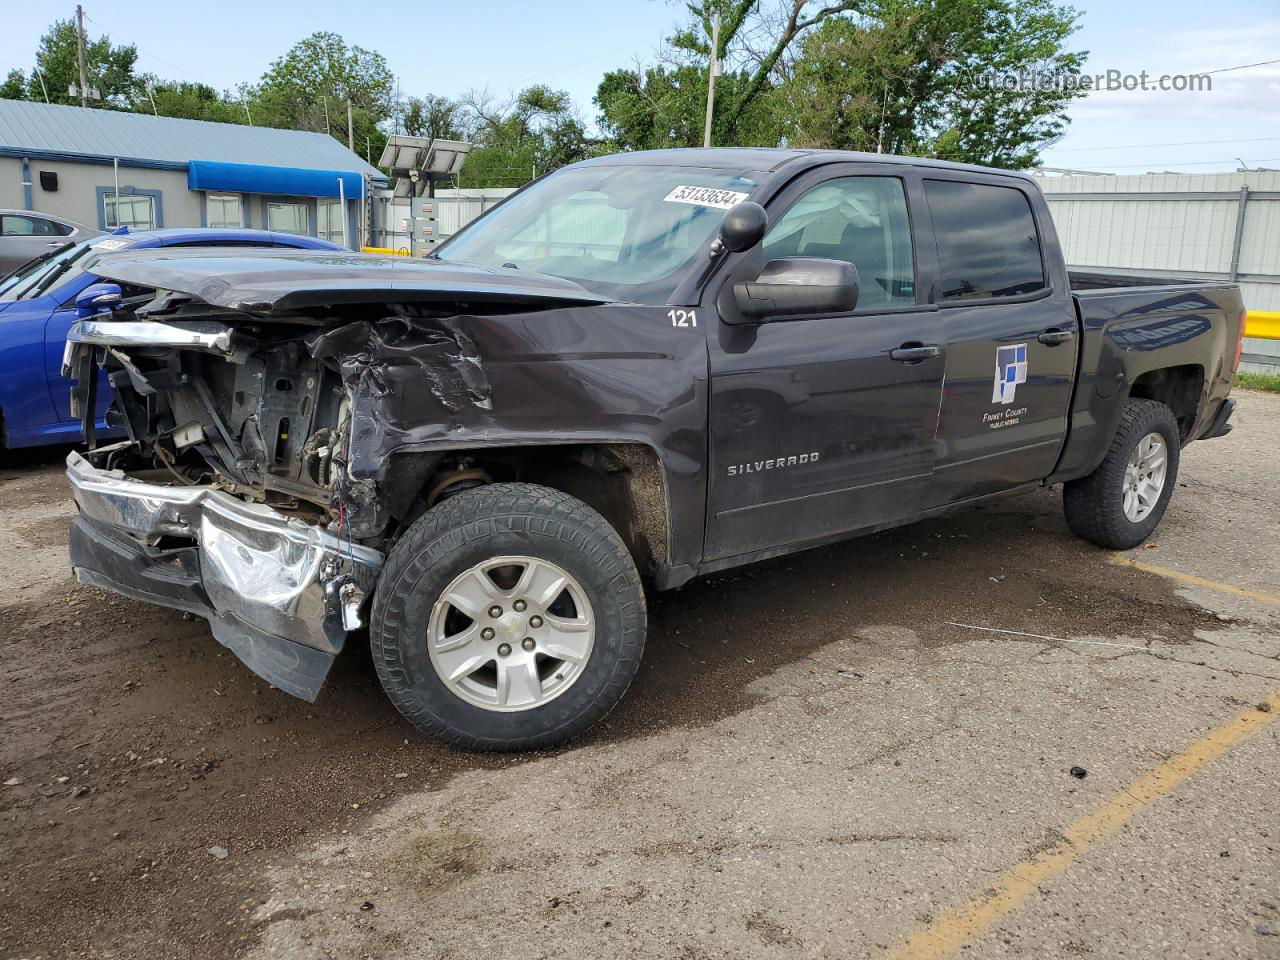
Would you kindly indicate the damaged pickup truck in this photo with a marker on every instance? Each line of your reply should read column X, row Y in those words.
column 638, row 369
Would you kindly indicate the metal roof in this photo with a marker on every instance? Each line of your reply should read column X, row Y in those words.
column 139, row 139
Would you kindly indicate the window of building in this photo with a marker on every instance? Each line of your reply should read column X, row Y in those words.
column 285, row 217
column 987, row 240
column 329, row 220
column 859, row 219
column 224, row 210
column 14, row 225
column 135, row 211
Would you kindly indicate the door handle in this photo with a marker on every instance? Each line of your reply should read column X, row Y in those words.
column 1051, row 338
column 915, row 352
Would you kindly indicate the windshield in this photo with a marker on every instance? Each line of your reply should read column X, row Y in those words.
column 39, row 276
column 624, row 232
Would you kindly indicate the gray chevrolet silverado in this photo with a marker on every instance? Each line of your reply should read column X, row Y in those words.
column 637, row 369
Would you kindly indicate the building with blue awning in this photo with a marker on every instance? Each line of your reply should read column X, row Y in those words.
column 108, row 169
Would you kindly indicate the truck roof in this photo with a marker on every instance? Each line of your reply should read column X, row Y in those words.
column 773, row 159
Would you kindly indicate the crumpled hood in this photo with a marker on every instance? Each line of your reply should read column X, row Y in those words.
column 273, row 281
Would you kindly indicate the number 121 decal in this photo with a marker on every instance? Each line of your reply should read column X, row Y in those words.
column 683, row 318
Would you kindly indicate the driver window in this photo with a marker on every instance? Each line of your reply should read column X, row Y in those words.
column 859, row 219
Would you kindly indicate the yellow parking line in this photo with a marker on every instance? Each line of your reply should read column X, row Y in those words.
column 1191, row 580
column 953, row 929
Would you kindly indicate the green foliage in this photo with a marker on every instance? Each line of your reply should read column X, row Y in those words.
column 191, row 101
column 309, row 87
column 536, row 132
column 665, row 105
column 909, row 76
column 432, row 116
column 14, row 86
column 902, row 75
column 1270, row 382
column 108, row 68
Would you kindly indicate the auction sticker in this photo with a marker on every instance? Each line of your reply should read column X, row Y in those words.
column 705, row 197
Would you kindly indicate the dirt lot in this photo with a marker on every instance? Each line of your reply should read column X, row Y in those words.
column 816, row 760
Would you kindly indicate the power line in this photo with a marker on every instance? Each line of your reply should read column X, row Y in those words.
column 1243, row 66
column 150, row 55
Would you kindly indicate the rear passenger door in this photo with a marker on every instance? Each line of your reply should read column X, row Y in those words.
column 1010, row 332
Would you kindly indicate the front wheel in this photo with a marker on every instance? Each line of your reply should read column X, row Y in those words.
column 1119, row 505
column 508, row 617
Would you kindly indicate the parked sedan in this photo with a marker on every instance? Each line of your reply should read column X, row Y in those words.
column 38, row 305
column 26, row 235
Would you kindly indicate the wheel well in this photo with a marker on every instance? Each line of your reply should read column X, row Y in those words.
column 624, row 482
column 1178, row 388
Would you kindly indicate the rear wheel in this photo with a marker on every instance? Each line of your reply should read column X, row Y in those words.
column 509, row 617
column 1119, row 505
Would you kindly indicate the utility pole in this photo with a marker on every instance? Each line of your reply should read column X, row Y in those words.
column 326, row 115
column 713, row 71
column 84, row 79
column 351, row 129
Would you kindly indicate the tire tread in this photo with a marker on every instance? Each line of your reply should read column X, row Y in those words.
column 476, row 515
column 1093, row 505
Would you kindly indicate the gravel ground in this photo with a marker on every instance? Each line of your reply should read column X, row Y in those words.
column 815, row 761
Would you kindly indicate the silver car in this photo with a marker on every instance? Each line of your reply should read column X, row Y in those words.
column 25, row 235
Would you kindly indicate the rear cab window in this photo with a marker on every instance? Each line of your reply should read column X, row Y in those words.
column 988, row 244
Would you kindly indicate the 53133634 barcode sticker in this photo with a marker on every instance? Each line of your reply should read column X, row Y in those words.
column 705, row 197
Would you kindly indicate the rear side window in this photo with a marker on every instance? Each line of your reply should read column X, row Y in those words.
column 12, row 225
column 987, row 241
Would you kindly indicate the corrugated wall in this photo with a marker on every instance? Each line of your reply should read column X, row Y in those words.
column 1177, row 225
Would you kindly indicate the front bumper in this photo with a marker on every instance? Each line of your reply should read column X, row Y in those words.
column 279, row 593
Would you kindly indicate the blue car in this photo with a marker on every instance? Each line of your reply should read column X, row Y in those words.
column 38, row 306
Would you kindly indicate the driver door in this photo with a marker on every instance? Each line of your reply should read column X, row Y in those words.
column 825, row 424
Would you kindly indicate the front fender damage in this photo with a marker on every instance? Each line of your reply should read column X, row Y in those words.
column 385, row 364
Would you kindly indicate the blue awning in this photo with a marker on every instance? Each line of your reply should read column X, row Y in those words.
column 281, row 181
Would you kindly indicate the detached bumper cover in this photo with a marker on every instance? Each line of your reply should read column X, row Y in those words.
column 279, row 593
column 1221, row 424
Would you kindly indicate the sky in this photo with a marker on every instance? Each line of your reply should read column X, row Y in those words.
column 505, row 45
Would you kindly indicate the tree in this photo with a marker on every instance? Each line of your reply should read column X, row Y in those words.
column 432, row 116
column 536, row 131
column 665, row 105
column 191, row 101
column 14, row 86
column 915, row 77
column 109, row 69
column 309, row 88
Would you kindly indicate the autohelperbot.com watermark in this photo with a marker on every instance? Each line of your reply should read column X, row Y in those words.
column 1109, row 81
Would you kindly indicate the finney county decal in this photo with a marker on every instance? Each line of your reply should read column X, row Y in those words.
column 1011, row 370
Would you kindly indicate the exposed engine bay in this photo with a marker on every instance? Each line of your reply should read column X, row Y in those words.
column 266, row 409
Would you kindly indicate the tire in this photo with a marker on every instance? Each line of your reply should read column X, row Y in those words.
column 449, row 555
column 1095, row 505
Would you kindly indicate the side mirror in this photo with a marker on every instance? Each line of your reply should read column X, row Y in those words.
column 98, row 298
column 744, row 225
column 798, row 286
